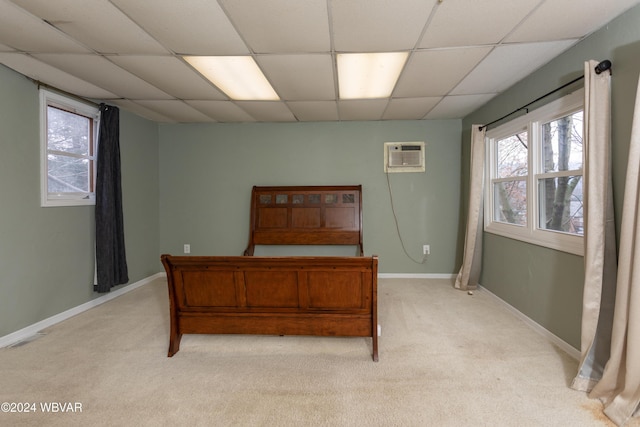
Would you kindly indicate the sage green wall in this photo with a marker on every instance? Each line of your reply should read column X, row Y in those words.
column 544, row 284
column 139, row 157
column 47, row 254
column 207, row 172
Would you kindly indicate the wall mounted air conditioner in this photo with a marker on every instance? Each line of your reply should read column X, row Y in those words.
column 404, row 157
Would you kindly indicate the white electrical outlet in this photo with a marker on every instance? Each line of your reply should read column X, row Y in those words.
column 187, row 248
column 426, row 249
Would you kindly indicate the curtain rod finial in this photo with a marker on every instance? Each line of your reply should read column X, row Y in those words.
column 603, row 66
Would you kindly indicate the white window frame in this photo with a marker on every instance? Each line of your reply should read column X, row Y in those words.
column 531, row 232
column 54, row 99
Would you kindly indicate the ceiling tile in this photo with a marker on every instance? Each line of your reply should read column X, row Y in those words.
column 187, row 27
column 281, row 26
column 300, row 77
column 101, row 72
column 99, row 25
column 170, row 73
column 552, row 16
column 141, row 111
column 222, row 111
column 314, row 110
column 378, row 25
column 453, row 107
column 177, row 110
column 409, row 108
column 25, row 32
column 508, row 64
column 52, row 76
column 371, row 109
column 436, row 72
column 267, row 111
column 474, row 23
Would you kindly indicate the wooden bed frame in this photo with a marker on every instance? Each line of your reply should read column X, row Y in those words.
column 286, row 295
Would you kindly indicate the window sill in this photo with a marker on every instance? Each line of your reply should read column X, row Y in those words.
column 558, row 241
column 53, row 203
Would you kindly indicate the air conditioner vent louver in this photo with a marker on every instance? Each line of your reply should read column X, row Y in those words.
column 404, row 157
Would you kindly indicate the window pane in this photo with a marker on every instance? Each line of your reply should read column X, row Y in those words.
column 510, row 202
column 512, row 156
column 68, row 174
column 561, row 204
column 562, row 143
column 68, row 132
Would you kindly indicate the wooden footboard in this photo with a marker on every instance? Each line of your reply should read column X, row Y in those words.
column 323, row 296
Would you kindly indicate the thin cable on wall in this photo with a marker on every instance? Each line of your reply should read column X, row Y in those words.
column 395, row 218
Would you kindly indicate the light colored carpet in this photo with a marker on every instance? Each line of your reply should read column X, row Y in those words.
column 446, row 359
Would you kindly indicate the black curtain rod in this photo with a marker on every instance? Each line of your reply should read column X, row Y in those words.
column 600, row 68
column 63, row 92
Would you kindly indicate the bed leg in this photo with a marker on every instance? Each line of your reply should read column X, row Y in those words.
column 375, row 346
column 174, row 344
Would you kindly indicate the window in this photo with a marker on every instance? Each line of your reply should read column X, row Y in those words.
column 534, row 183
column 68, row 140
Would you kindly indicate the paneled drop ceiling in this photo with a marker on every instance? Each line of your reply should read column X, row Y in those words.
column 130, row 52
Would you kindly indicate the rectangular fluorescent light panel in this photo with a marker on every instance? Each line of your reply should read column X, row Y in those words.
column 369, row 75
column 237, row 76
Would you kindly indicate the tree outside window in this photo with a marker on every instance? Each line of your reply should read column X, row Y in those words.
column 69, row 152
column 510, row 189
column 68, row 145
column 534, row 184
column 561, row 181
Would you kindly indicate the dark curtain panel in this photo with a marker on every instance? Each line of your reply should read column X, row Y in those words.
column 111, row 262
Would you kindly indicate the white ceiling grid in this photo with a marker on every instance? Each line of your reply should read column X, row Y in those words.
column 129, row 52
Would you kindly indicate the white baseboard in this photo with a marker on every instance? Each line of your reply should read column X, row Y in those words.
column 563, row 345
column 415, row 276
column 31, row 330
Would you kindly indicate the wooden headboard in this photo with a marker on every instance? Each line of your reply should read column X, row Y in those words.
column 306, row 215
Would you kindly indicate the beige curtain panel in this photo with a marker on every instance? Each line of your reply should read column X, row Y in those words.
column 610, row 347
column 599, row 235
column 469, row 274
column 619, row 387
